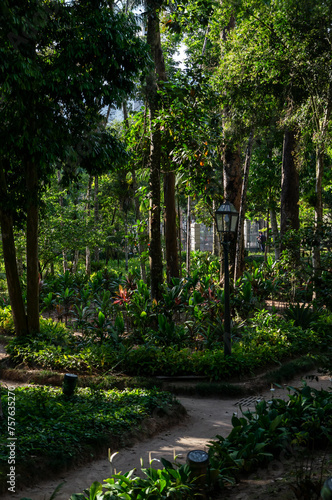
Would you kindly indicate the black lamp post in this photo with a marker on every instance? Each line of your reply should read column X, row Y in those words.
column 226, row 219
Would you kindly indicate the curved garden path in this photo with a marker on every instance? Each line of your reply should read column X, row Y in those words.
column 206, row 418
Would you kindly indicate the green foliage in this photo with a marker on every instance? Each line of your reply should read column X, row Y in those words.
column 6, row 321
column 275, row 427
column 301, row 315
column 267, row 339
column 62, row 431
column 170, row 482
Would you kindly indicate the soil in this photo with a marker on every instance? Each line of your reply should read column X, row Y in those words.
column 206, row 417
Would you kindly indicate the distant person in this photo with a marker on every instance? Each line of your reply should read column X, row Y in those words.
column 261, row 238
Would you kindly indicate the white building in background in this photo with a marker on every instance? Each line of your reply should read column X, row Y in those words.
column 202, row 236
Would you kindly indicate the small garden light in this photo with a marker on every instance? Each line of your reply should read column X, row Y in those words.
column 226, row 220
column 198, row 462
column 69, row 384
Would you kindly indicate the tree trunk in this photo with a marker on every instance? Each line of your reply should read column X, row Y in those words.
column 321, row 131
column 232, row 188
column 32, row 248
column 267, row 236
column 136, row 203
column 88, row 211
column 75, row 261
column 215, row 234
column 188, row 241
column 126, row 241
column 239, row 254
column 1, row 412
column 172, row 261
column 13, row 281
column 96, row 215
column 9, row 257
column 275, row 233
column 159, row 73
column 316, row 260
column 180, row 240
column 64, row 253
column 289, row 189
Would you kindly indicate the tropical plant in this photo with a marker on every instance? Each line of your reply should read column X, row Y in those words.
column 301, row 315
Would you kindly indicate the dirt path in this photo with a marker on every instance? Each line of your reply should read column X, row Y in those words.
column 206, row 418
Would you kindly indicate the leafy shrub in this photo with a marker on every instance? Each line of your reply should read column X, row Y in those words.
column 268, row 339
column 301, row 315
column 275, row 426
column 170, row 482
column 6, row 321
column 57, row 431
column 204, row 263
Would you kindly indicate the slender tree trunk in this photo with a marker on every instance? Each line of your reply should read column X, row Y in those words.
column 215, row 234
column 64, row 252
column 289, row 189
column 13, row 281
column 232, row 188
column 136, row 202
column 32, row 248
column 180, row 240
column 316, row 257
column 158, row 74
column 75, row 262
column 275, row 233
column 96, row 215
column 126, row 241
column 9, row 257
column 239, row 254
column 231, row 165
column 172, row 261
column 188, row 245
column 88, row 212
column 321, row 131
column 267, row 236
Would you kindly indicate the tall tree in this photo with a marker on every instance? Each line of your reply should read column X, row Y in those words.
column 156, row 75
column 289, row 185
column 53, row 84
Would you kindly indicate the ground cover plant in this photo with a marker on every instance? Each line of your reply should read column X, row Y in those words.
column 56, row 431
column 275, row 431
column 266, row 340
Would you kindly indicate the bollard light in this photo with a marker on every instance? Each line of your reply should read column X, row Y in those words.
column 198, row 462
column 69, row 384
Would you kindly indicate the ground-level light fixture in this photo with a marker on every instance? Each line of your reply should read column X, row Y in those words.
column 226, row 220
column 198, row 462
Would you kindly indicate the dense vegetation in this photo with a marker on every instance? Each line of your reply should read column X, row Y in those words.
column 97, row 272
column 109, row 323
column 57, row 431
column 275, row 434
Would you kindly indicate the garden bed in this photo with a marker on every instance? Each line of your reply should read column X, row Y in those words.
column 56, row 432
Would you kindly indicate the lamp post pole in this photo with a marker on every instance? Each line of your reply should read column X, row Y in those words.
column 227, row 312
column 226, row 219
